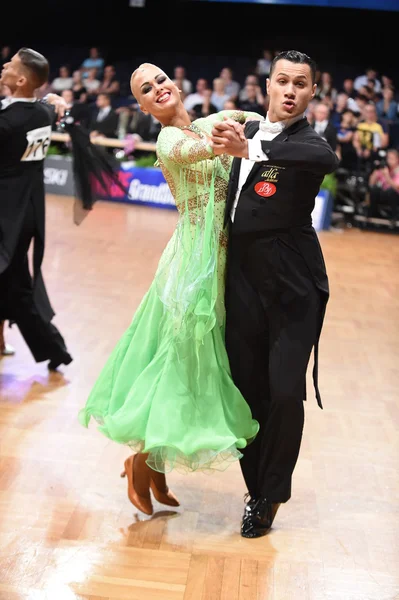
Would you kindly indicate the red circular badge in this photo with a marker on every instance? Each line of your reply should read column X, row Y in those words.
column 265, row 189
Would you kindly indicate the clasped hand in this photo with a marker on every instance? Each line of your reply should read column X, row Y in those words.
column 60, row 105
column 228, row 137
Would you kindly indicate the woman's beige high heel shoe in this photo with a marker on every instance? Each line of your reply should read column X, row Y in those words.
column 141, row 502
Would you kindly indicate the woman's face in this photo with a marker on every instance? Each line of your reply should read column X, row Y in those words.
column 155, row 93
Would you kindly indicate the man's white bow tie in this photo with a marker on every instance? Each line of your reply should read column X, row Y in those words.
column 269, row 127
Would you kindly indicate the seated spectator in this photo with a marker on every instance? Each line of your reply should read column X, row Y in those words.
column 132, row 121
column 5, row 55
column 230, row 105
column 341, row 106
column 92, row 84
column 263, row 64
column 309, row 114
column 196, row 97
column 77, row 84
column 94, row 61
column 254, row 101
column 219, row 96
column 326, row 87
column 349, row 89
column 182, row 82
column 110, row 83
column 362, row 80
column 323, row 126
column 104, row 121
column 254, row 80
column 64, row 80
column 369, row 137
column 231, row 87
column 387, row 109
column 204, row 108
column 384, row 187
column 386, row 81
column 79, row 109
column 368, row 92
column 345, row 134
column 360, row 104
column 142, row 127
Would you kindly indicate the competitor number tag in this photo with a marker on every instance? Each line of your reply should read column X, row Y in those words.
column 38, row 143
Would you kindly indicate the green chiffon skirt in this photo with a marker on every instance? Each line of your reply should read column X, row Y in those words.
column 167, row 389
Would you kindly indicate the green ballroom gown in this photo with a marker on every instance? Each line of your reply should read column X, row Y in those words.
column 166, row 388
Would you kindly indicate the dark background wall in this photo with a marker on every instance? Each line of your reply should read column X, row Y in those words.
column 205, row 36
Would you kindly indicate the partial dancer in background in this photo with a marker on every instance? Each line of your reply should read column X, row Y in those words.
column 25, row 130
column 25, row 135
column 166, row 391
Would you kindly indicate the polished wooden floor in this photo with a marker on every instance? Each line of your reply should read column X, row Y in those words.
column 67, row 530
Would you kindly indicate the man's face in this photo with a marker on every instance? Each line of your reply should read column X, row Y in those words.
column 370, row 114
column 102, row 101
column 321, row 112
column 290, row 90
column 12, row 74
column 68, row 96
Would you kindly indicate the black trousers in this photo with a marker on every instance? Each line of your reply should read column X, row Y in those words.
column 16, row 284
column 273, row 319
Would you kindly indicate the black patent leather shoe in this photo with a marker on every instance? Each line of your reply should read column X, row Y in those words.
column 258, row 518
column 249, row 504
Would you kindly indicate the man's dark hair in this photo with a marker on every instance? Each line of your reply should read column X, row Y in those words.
column 36, row 64
column 106, row 95
column 295, row 57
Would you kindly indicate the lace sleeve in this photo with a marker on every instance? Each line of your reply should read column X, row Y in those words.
column 239, row 115
column 175, row 146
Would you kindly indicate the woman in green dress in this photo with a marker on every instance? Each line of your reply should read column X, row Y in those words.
column 166, row 390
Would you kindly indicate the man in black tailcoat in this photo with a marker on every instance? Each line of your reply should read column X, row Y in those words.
column 277, row 285
column 25, row 130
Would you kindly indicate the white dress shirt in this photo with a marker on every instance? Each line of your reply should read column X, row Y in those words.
column 10, row 100
column 320, row 126
column 267, row 131
column 103, row 112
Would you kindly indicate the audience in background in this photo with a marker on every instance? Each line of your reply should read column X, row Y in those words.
column 104, row 121
column 358, row 116
column 92, row 83
column 231, row 87
column 93, row 61
column 110, row 84
column 5, row 55
column 205, row 107
column 384, row 187
column 64, row 81
column 219, row 95
column 323, row 126
column 181, row 81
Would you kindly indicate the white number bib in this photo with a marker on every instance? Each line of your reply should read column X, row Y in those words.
column 38, row 143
